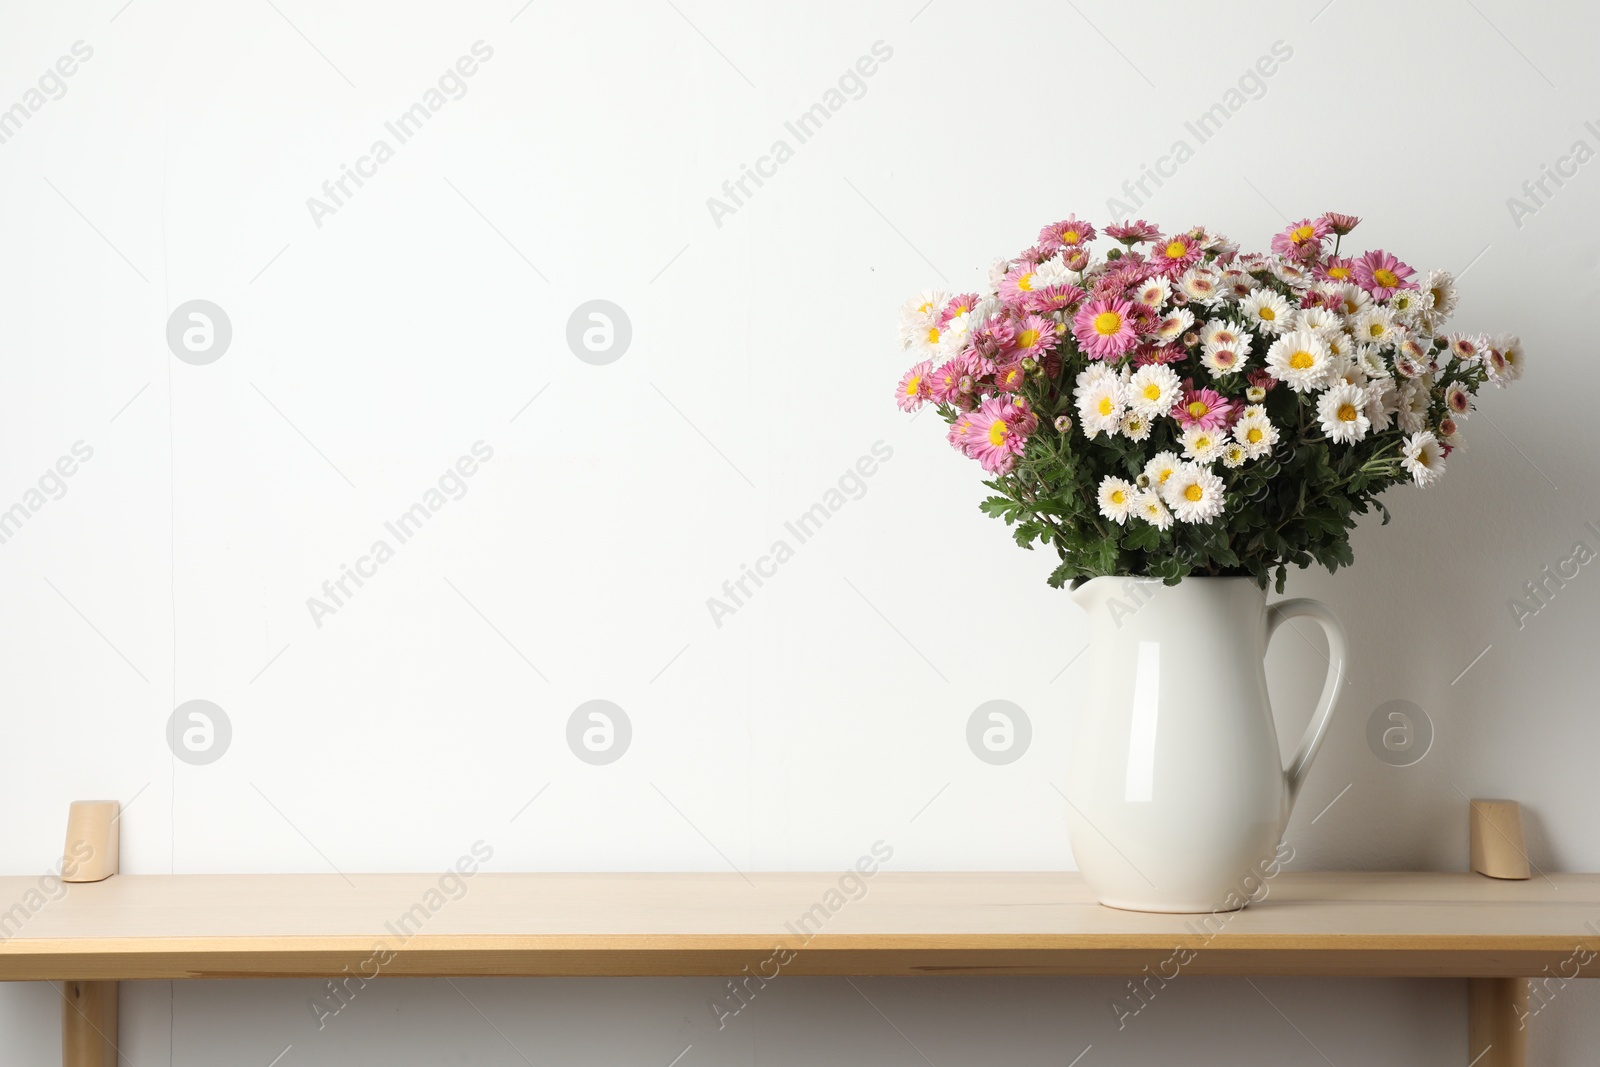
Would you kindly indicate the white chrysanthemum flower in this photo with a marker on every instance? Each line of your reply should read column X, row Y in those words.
column 1193, row 493
column 1468, row 348
column 1267, row 311
column 1093, row 374
column 1353, row 299
column 1514, row 356
column 923, row 340
column 925, row 306
column 1224, row 360
column 1234, row 454
column 1255, row 432
column 1441, row 286
column 1409, row 305
column 1174, row 324
column 1200, row 284
column 1203, row 446
column 1418, row 353
column 1342, row 413
column 997, row 273
column 1238, row 284
column 1218, row 333
column 1340, row 344
column 1423, row 458
column 1292, row 274
column 1376, row 326
column 1100, row 406
column 1154, row 292
column 1148, row 506
column 1256, row 394
column 1449, row 433
column 1136, row 426
column 1116, row 499
column 953, row 338
column 1153, row 389
column 1383, row 400
column 1051, row 272
column 1370, row 362
column 1161, row 467
column 1301, row 359
column 1413, row 403
column 1320, row 321
column 1458, row 400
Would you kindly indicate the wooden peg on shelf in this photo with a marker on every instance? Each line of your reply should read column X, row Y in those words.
column 89, row 1009
column 92, row 852
column 1495, row 839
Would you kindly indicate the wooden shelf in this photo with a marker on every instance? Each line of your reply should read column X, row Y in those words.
column 255, row 926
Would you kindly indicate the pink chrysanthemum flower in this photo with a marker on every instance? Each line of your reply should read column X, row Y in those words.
column 1018, row 284
column 1054, row 298
column 915, row 387
column 1105, row 329
column 1009, row 377
column 958, row 305
column 1301, row 240
column 1336, row 269
column 1340, row 224
column 1136, row 232
column 1022, row 418
column 961, row 433
column 944, row 385
column 1176, row 254
column 1068, row 233
column 997, row 434
column 1035, row 336
column 1380, row 274
column 1204, row 408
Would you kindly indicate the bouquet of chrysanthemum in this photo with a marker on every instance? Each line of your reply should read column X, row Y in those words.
column 1194, row 409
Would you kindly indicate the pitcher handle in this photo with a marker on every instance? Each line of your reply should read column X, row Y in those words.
column 1338, row 654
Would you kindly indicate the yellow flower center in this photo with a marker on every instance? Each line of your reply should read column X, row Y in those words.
column 1152, row 392
column 1105, row 405
column 1025, row 283
column 1267, row 313
column 1301, row 360
column 1027, row 338
column 1303, row 234
column 1375, row 330
column 1193, row 493
column 1118, row 496
column 914, row 385
column 1253, row 435
column 1011, row 375
column 1071, row 237
column 1176, row 250
column 933, row 335
column 997, row 432
column 1346, row 413
column 1107, row 323
column 1385, row 277
column 926, row 307
column 1341, row 273
column 1198, row 408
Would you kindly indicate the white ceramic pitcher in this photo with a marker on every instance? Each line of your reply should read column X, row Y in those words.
column 1176, row 793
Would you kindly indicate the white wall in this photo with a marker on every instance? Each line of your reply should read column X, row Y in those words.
column 829, row 712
